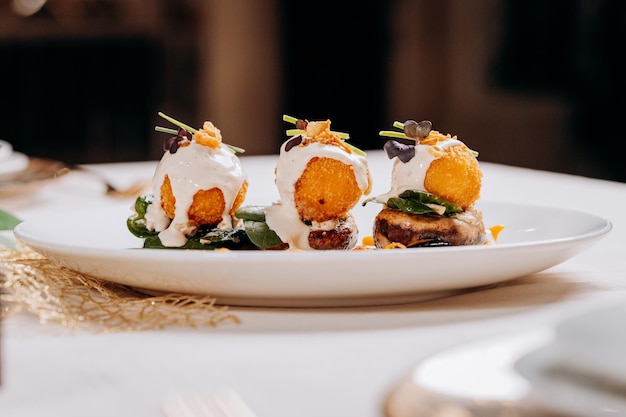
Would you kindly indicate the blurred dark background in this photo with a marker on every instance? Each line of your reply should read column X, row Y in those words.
column 538, row 84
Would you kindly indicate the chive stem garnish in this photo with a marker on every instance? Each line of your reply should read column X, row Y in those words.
column 398, row 124
column 233, row 149
column 293, row 132
column 166, row 130
column 289, row 119
column 394, row 134
column 177, row 123
column 355, row 149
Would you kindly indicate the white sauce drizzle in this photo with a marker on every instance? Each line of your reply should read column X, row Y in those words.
column 282, row 216
column 411, row 175
column 191, row 169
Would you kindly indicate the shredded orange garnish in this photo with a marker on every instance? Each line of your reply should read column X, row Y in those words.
column 209, row 136
column 320, row 132
column 434, row 137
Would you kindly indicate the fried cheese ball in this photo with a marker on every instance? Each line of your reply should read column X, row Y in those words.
column 455, row 176
column 207, row 206
column 327, row 189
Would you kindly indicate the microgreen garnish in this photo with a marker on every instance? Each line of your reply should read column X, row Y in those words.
column 300, row 130
column 404, row 152
column 181, row 125
column 412, row 130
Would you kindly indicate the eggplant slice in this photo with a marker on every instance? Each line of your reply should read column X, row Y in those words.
column 415, row 230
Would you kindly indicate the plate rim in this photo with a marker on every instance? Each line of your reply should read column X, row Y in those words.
column 222, row 260
column 605, row 227
column 536, row 367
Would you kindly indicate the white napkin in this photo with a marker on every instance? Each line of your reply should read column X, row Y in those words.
column 11, row 161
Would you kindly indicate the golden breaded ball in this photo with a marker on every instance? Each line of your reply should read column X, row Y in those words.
column 326, row 190
column 456, row 176
column 241, row 196
column 207, row 206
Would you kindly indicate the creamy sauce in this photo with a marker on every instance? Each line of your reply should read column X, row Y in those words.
column 282, row 216
column 411, row 175
column 191, row 169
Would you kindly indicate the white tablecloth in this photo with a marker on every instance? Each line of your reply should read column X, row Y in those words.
column 296, row 362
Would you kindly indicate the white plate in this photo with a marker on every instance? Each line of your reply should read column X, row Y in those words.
column 11, row 161
column 6, row 149
column 34, row 173
column 477, row 378
column 97, row 243
column 581, row 371
column 558, row 391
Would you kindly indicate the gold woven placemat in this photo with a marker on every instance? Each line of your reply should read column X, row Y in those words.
column 57, row 295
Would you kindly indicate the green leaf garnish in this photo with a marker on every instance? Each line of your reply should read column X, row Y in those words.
column 261, row 235
column 418, row 202
column 207, row 240
column 215, row 239
column 233, row 149
column 254, row 213
column 136, row 223
column 257, row 229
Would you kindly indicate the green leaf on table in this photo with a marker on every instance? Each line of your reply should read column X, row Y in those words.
column 8, row 221
column 7, row 243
